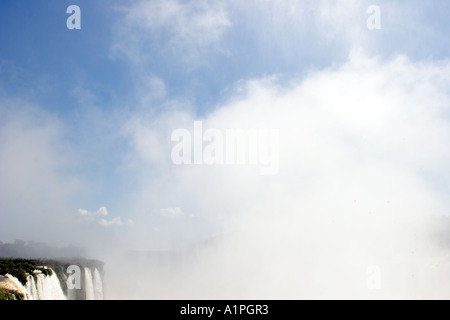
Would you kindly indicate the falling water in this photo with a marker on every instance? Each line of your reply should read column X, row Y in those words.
column 56, row 292
column 17, row 285
column 45, row 288
column 31, row 292
column 42, row 287
column 48, row 287
column 89, row 284
column 98, row 285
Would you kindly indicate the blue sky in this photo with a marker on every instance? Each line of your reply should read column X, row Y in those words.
column 36, row 50
column 96, row 106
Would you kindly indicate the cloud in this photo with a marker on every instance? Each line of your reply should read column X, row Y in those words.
column 100, row 212
column 365, row 114
column 362, row 165
column 115, row 222
column 103, row 212
column 173, row 213
column 263, row 37
column 36, row 184
column 187, row 28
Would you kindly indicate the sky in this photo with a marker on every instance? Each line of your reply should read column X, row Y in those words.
column 352, row 122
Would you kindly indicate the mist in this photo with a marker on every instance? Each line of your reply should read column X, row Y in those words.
column 357, row 209
column 354, row 206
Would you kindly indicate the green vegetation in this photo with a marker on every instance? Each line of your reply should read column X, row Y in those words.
column 10, row 295
column 6, row 295
column 20, row 267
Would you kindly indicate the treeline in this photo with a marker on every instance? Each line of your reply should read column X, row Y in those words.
column 20, row 267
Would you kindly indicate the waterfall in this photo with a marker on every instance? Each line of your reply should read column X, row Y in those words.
column 31, row 292
column 17, row 285
column 93, row 284
column 98, row 285
column 42, row 287
column 47, row 287
column 54, row 291
column 89, row 284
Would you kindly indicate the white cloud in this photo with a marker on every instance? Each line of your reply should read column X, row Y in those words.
column 156, row 88
column 183, row 27
column 365, row 114
column 100, row 212
column 35, row 181
column 172, row 213
column 115, row 222
column 363, row 152
column 103, row 212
